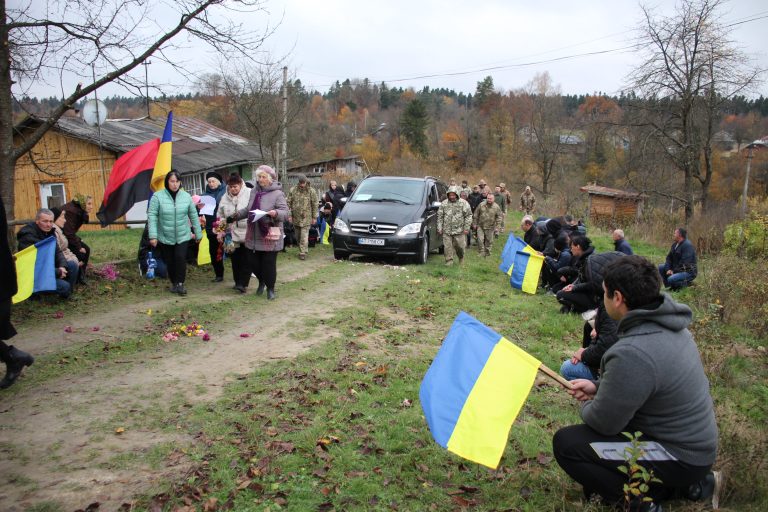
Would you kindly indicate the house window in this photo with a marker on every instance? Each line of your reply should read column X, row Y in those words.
column 52, row 195
column 194, row 183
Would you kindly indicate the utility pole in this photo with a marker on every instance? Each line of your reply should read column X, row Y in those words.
column 98, row 130
column 756, row 144
column 284, row 159
column 146, row 64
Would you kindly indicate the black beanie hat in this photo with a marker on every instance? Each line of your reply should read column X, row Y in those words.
column 214, row 174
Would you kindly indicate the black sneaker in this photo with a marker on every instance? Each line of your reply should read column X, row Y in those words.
column 708, row 487
column 180, row 289
column 173, row 289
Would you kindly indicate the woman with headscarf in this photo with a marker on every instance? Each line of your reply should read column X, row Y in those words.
column 170, row 214
column 76, row 212
column 264, row 236
column 74, row 265
column 236, row 198
column 214, row 188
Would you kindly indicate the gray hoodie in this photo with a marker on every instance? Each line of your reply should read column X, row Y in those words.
column 653, row 382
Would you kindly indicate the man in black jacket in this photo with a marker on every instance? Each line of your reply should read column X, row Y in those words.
column 680, row 268
column 42, row 228
column 599, row 335
column 15, row 360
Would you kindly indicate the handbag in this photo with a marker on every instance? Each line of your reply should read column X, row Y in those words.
column 274, row 234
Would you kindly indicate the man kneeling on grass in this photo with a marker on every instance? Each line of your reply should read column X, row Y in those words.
column 652, row 381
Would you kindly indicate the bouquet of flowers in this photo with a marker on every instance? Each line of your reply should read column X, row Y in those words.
column 181, row 330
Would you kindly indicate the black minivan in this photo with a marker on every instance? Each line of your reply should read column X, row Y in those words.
column 390, row 216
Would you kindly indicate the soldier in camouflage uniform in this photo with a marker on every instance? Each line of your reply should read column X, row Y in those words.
column 527, row 201
column 454, row 219
column 302, row 201
column 487, row 220
column 508, row 202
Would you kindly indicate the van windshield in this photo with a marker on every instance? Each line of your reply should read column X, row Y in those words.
column 397, row 191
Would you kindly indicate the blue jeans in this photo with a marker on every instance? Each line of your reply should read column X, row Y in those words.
column 576, row 371
column 675, row 281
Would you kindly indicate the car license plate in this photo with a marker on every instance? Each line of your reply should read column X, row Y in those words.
column 370, row 241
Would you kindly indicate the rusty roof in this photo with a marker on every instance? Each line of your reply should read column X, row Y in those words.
column 197, row 145
column 597, row 190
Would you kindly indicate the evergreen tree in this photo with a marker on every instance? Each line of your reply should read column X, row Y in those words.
column 413, row 124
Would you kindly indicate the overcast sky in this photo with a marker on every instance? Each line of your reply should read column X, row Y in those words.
column 456, row 43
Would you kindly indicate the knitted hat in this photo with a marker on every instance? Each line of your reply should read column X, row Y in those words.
column 267, row 169
column 196, row 199
column 214, row 174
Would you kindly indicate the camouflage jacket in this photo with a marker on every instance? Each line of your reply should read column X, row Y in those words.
column 527, row 202
column 501, row 200
column 454, row 218
column 303, row 205
column 488, row 217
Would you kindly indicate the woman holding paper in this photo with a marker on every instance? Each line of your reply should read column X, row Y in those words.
column 267, row 210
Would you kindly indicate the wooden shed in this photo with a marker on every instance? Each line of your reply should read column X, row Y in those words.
column 610, row 206
column 68, row 161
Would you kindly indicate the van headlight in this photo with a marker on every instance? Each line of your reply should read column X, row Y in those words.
column 410, row 229
column 340, row 226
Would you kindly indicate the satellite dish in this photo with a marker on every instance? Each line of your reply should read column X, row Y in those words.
column 94, row 112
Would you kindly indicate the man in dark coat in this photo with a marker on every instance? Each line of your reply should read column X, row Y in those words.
column 15, row 360
column 42, row 228
column 214, row 188
column 620, row 243
column 680, row 268
column 76, row 212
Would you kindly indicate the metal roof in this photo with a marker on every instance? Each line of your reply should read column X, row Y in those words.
column 197, row 145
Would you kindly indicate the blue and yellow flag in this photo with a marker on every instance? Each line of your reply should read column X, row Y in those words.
column 163, row 161
column 513, row 245
column 526, row 271
column 203, row 251
column 323, row 230
column 36, row 269
column 474, row 390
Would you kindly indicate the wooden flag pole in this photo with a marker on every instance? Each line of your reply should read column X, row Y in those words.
column 554, row 375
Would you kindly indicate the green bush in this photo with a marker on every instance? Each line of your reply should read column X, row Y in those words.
column 749, row 237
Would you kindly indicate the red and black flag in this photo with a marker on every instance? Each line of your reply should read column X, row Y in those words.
column 135, row 175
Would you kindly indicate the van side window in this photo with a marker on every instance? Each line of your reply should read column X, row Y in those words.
column 442, row 192
column 433, row 194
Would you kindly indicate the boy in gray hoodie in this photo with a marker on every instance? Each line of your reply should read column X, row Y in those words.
column 652, row 381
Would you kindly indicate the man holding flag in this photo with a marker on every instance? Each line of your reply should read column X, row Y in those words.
column 652, row 381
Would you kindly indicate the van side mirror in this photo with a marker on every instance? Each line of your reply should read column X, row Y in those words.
column 435, row 204
column 343, row 199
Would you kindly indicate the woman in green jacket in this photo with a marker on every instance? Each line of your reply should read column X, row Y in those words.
column 170, row 214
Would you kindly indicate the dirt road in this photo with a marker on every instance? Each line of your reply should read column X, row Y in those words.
column 58, row 441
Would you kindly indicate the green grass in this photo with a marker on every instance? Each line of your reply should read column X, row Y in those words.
column 340, row 426
column 110, row 246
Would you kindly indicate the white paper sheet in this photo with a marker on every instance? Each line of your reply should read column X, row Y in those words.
column 209, row 205
column 257, row 214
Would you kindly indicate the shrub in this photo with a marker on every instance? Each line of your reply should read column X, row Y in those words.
column 749, row 237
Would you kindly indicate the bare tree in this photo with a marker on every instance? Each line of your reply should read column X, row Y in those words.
column 545, row 126
column 254, row 95
column 689, row 67
column 51, row 41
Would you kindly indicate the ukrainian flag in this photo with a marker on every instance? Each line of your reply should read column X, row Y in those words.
column 163, row 161
column 36, row 269
column 474, row 390
column 526, row 271
column 324, row 230
column 513, row 245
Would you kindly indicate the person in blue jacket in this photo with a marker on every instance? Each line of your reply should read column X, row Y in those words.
column 620, row 243
column 170, row 215
column 679, row 270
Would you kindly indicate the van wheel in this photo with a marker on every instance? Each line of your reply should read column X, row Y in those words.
column 339, row 255
column 421, row 258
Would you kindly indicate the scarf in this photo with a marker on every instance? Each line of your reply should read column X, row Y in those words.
column 263, row 223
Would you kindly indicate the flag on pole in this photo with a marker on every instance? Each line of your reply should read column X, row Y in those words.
column 135, row 174
column 35, row 269
column 526, row 271
column 511, row 247
column 203, row 252
column 474, row 390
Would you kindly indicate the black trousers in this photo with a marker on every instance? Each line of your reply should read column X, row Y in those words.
column 598, row 475
column 213, row 249
column 241, row 270
column 83, row 256
column 578, row 302
column 263, row 264
column 175, row 258
column 6, row 329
